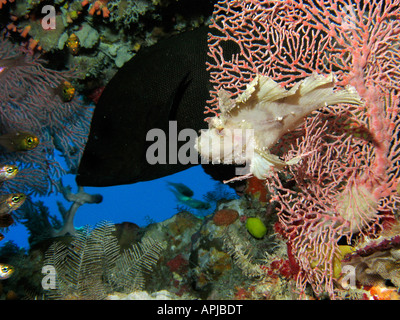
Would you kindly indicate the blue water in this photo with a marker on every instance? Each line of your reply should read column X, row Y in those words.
column 125, row 203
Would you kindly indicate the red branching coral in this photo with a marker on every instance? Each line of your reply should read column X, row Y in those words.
column 347, row 178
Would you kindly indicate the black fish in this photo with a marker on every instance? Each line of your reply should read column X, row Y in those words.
column 165, row 82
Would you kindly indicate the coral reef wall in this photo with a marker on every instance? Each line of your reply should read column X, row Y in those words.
column 108, row 32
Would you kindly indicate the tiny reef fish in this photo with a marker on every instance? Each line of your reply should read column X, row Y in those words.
column 181, row 188
column 181, row 193
column 5, row 271
column 11, row 202
column 19, row 141
column 7, row 172
column 66, row 91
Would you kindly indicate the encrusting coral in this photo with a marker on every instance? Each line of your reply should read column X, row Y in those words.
column 225, row 217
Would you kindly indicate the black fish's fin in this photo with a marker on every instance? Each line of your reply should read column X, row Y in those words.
column 177, row 95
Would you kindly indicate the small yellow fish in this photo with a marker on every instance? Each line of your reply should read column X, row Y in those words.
column 19, row 141
column 11, row 202
column 5, row 271
column 7, row 172
column 73, row 44
column 1, row 236
column 66, row 91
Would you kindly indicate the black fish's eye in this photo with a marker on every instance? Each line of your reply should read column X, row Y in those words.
column 29, row 140
column 16, row 199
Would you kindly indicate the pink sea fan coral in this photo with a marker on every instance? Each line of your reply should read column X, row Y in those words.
column 350, row 154
column 30, row 101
